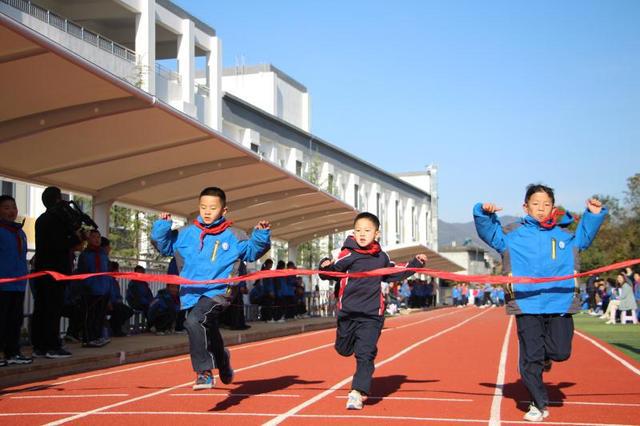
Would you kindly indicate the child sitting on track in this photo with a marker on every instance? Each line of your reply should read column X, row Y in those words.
column 205, row 250
column 360, row 302
column 540, row 246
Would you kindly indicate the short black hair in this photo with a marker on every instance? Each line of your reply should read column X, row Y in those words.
column 214, row 191
column 537, row 187
column 369, row 216
column 104, row 242
column 4, row 198
column 139, row 269
column 280, row 264
column 51, row 195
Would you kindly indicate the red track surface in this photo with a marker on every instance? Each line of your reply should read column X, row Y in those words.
column 438, row 367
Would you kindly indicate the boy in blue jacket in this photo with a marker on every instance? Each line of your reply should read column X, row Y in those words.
column 13, row 263
column 205, row 250
column 96, row 292
column 360, row 300
column 540, row 246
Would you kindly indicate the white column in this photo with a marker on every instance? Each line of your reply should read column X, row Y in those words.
column 101, row 213
column 186, row 60
column 146, row 45
column 293, row 252
column 214, row 81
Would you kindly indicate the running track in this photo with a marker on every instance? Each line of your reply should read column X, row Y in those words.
column 448, row 366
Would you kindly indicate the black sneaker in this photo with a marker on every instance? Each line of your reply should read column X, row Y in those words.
column 19, row 359
column 3, row 363
column 59, row 353
column 38, row 354
column 547, row 365
column 226, row 374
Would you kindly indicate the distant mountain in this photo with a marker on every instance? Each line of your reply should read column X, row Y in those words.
column 459, row 232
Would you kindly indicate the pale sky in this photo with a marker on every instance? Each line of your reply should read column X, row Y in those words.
column 497, row 94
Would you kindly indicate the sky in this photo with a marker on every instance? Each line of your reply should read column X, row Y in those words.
column 496, row 94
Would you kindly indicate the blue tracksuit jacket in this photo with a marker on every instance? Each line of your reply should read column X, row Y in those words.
column 13, row 255
column 533, row 251
column 95, row 260
column 218, row 257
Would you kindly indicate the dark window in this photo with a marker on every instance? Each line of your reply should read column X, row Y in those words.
column 254, row 147
column 8, row 188
column 356, row 196
column 298, row 168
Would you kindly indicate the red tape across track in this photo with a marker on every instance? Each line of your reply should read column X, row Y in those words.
column 175, row 279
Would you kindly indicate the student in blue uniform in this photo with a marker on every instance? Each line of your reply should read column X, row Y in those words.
column 360, row 300
column 540, row 246
column 13, row 263
column 208, row 249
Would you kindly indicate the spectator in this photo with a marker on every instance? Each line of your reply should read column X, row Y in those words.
column 591, row 293
column 284, row 296
column 13, row 263
column 118, row 311
column 95, row 297
column 163, row 310
column 233, row 316
column 455, row 295
column 299, row 306
column 56, row 236
column 627, row 299
column 268, row 297
column 139, row 295
column 172, row 269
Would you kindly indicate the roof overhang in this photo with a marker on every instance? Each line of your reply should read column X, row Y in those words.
column 434, row 260
column 66, row 122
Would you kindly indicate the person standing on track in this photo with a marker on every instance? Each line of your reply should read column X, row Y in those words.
column 540, row 246
column 360, row 301
column 205, row 250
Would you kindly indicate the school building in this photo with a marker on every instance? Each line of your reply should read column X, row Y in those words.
column 127, row 102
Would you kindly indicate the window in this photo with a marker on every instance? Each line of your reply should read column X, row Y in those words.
column 298, row 168
column 397, row 221
column 413, row 223
column 255, row 147
column 378, row 205
column 8, row 188
column 356, row 196
column 330, row 184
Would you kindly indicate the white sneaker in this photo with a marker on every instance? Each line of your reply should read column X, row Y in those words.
column 354, row 400
column 535, row 415
column 281, row 320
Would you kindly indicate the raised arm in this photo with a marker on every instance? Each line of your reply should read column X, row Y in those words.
column 590, row 223
column 416, row 262
column 162, row 237
column 259, row 243
column 488, row 226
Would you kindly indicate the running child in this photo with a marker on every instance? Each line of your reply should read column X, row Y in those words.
column 208, row 249
column 360, row 301
column 540, row 246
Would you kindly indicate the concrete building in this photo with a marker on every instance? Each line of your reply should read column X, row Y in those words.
column 474, row 259
column 156, row 46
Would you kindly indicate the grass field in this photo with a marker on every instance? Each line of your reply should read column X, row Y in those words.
column 626, row 337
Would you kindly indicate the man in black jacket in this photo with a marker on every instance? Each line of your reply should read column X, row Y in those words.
column 360, row 302
column 55, row 241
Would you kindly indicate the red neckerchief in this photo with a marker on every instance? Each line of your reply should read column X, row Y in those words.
column 372, row 249
column 214, row 230
column 552, row 220
column 98, row 251
column 15, row 230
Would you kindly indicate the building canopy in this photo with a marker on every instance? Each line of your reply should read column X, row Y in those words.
column 67, row 122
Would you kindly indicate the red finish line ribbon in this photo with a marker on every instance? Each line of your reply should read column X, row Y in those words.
column 279, row 273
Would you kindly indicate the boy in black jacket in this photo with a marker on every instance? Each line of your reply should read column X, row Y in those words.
column 360, row 302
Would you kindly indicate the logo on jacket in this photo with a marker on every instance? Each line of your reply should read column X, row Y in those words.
column 225, row 246
column 561, row 244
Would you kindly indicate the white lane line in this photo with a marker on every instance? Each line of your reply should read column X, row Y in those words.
column 412, row 398
column 282, row 417
column 494, row 419
column 172, row 388
column 97, row 395
column 611, row 354
column 437, row 420
column 604, row 404
column 243, row 395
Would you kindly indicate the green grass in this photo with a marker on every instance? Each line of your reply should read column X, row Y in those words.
column 625, row 338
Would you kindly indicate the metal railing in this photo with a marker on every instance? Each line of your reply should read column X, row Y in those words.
column 72, row 28
column 166, row 73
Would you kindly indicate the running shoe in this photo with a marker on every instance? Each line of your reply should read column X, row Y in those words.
column 354, row 400
column 204, row 381
column 547, row 365
column 535, row 414
column 19, row 359
column 226, row 374
column 59, row 353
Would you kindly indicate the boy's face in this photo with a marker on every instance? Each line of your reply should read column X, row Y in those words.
column 8, row 211
column 539, row 206
column 211, row 209
column 93, row 239
column 365, row 232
